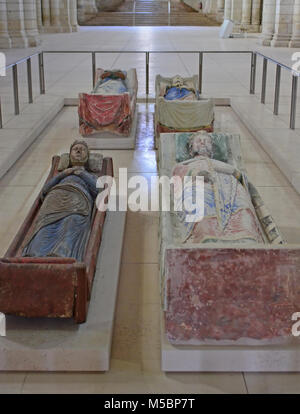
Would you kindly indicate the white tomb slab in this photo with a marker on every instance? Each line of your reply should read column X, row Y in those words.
column 228, row 358
column 255, row 356
column 61, row 345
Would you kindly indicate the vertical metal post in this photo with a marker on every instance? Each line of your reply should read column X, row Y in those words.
column 147, row 73
column 29, row 81
column 133, row 13
column 253, row 73
column 277, row 90
column 264, row 81
column 293, row 102
column 16, row 89
column 42, row 73
column 1, row 122
column 200, row 71
column 94, row 68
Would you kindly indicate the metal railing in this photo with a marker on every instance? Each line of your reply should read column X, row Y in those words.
column 147, row 54
column 147, row 59
column 14, row 67
column 295, row 76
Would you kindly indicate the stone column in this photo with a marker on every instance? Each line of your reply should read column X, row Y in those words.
column 227, row 10
column 55, row 17
column 30, row 20
column 39, row 15
column 295, row 41
column 81, row 11
column 16, row 26
column 283, row 23
column 73, row 15
column 90, row 7
column 65, row 16
column 5, row 41
column 246, row 14
column 268, row 21
column 46, row 14
column 236, row 13
column 256, row 15
column 220, row 10
column 213, row 8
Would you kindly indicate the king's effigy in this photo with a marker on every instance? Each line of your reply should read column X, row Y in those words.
column 111, row 106
column 222, row 277
column 180, row 107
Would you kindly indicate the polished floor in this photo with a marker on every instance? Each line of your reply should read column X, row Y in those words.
column 135, row 364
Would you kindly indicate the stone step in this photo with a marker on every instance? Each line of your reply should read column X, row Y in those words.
column 152, row 13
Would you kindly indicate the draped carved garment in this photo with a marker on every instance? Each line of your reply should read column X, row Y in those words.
column 64, row 220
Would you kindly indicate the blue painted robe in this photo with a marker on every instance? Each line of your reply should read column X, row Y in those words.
column 174, row 93
column 110, row 86
column 63, row 224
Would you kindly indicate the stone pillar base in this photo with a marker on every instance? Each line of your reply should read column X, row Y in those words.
column 5, row 42
column 236, row 28
column 220, row 16
column 294, row 43
column 265, row 42
column 279, row 42
column 265, row 39
column 19, row 41
column 53, row 29
column 66, row 28
column 255, row 28
column 250, row 28
column 33, row 41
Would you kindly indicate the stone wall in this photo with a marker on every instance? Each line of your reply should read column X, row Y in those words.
column 195, row 4
column 278, row 21
column 22, row 21
column 86, row 10
column 108, row 5
column 281, row 23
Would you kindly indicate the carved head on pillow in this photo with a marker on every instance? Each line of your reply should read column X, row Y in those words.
column 201, row 145
column 79, row 153
column 177, row 81
column 113, row 74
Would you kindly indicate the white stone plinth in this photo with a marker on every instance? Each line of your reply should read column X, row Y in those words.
column 229, row 358
column 62, row 345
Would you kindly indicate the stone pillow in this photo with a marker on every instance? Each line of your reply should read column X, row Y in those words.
column 182, row 146
column 220, row 147
column 94, row 164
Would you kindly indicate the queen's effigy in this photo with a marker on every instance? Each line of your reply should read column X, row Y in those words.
column 49, row 268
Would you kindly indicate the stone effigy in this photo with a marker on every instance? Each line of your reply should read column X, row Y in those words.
column 180, row 90
column 49, row 268
column 62, row 226
column 229, row 278
column 111, row 106
column 179, row 107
